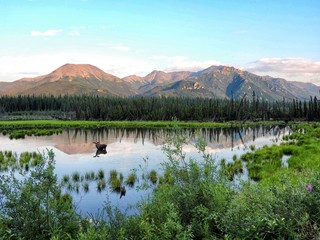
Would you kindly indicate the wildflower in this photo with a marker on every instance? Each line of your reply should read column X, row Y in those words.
column 309, row 187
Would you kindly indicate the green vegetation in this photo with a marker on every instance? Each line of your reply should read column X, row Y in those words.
column 26, row 160
column 35, row 208
column 8, row 126
column 85, row 187
column 16, row 134
column 101, row 174
column 76, row 177
column 131, row 179
column 195, row 199
column 20, row 129
column 109, row 108
column 153, row 176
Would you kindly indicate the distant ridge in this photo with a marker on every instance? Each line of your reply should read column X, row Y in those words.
column 212, row 82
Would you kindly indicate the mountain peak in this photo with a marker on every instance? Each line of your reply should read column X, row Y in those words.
column 77, row 70
column 214, row 81
column 215, row 68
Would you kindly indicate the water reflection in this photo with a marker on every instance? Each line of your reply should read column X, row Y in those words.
column 100, row 151
column 75, row 141
column 127, row 149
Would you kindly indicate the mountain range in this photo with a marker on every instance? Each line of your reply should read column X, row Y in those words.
column 212, row 82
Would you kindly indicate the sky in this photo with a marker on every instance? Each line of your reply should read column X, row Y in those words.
column 279, row 38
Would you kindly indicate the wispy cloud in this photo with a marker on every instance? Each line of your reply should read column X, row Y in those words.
column 78, row 27
column 182, row 63
column 74, row 33
column 120, row 48
column 294, row 68
column 48, row 33
column 16, row 67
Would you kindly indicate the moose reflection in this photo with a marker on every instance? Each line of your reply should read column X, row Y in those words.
column 122, row 191
column 101, row 149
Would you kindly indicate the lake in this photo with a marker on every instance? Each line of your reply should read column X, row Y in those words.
column 129, row 149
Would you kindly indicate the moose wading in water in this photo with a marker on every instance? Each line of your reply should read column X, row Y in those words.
column 101, row 148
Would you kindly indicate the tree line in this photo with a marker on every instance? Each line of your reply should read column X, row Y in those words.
column 160, row 108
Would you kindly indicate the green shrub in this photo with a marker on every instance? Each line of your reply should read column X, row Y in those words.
column 34, row 207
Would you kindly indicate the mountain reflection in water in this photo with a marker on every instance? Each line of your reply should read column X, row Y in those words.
column 128, row 149
column 75, row 141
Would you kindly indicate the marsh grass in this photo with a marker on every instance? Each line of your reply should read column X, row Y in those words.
column 101, row 185
column 70, row 187
column 65, row 178
column 90, row 176
column 13, row 161
column 22, row 133
column 77, row 187
column 113, row 175
column 232, row 168
column 131, row 179
column 100, row 174
column 153, row 176
column 166, row 178
column 116, row 184
column 76, row 177
column 115, row 181
column 252, row 147
column 85, row 187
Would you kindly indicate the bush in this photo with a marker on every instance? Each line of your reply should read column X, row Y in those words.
column 34, row 207
column 288, row 211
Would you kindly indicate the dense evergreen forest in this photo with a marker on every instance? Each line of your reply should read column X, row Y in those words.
column 158, row 108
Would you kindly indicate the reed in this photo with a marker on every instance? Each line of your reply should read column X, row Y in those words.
column 75, row 177
column 153, row 176
column 131, row 179
column 36, row 160
column 65, row 178
column 77, row 187
column 252, row 147
column 116, row 184
column 101, row 185
column 166, row 178
column 100, row 174
column 90, row 176
column 85, row 187
column 70, row 187
column 113, row 175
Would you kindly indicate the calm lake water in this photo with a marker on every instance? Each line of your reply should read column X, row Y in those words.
column 130, row 149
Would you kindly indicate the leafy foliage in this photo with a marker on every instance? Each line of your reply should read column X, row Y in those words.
column 34, row 207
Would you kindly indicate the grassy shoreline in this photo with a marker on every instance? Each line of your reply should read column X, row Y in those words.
column 21, row 124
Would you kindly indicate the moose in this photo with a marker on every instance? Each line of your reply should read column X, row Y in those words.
column 101, row 148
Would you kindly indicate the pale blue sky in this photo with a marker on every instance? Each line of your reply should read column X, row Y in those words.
column 280, row 38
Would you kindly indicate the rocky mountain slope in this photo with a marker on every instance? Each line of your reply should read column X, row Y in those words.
column 212, row 82
column 71, row 79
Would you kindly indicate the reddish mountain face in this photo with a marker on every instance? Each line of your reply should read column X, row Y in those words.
column 80, row 71
column 72, row 79
column 163, row 77
column 212, row 82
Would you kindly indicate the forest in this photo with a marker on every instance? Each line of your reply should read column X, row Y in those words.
column 156, row 108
